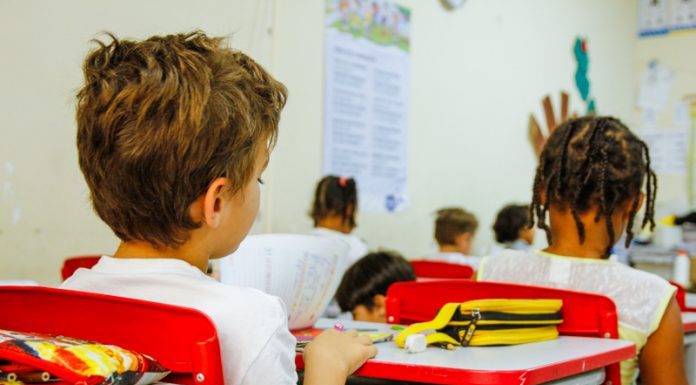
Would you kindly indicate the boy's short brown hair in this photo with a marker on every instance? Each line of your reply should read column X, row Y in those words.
column 158, row 120
column 452, row 222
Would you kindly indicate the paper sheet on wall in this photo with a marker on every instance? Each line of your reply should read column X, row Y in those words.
column 653, row 17
column 668, row 150
column 655, row 87
column 682, row 14
column 303, row 270
column 366, row 99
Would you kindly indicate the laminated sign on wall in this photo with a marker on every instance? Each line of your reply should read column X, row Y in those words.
column 659, row 17
column 366, row 99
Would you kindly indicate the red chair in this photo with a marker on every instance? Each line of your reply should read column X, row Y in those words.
column 183, row 340
column 73, row 263
column 584, row 314
column 680, row 296
column 434, row 269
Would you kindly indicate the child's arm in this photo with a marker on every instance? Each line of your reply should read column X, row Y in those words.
column 662, row 357
column 334, row 355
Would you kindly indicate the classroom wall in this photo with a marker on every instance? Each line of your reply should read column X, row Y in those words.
column 45, row 213
column 477, row 73
column 672, row 51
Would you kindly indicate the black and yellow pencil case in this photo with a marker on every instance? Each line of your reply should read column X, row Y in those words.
column 490, row 322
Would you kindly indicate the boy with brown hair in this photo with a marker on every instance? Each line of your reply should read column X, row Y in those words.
column 174, row 133
column 455, row 229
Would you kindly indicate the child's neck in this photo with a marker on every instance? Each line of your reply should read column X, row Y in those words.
column 566, row 241
column 335, row 223
column 144, row 250
column 449, row 249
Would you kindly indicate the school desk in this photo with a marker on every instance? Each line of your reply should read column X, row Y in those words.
column 566, row 360
column 691, row 300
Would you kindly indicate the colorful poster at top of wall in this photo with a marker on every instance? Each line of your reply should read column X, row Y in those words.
column 653, row 17
column 366, row 99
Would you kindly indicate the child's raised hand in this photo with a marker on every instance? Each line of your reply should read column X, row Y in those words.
column 334, row 355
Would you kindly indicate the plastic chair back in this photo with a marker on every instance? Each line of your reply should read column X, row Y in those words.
column 183, row 340
column 73, row 263
column 680, row 296
column 443, row 270
column 584, row 314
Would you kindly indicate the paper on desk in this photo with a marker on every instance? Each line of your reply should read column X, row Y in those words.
column 303, row 270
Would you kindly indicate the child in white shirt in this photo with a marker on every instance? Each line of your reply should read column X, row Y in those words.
column 455, row 229
column 334, row 210
column 512, row 228
column 174, row 133
column 589, row 184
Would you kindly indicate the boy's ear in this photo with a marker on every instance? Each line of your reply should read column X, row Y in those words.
column 212, row 202
column 463, row 238
column 380, row 306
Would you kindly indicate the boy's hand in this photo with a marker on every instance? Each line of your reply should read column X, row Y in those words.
column 334, row 355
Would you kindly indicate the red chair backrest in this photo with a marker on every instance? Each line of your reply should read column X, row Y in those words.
column 584, row 314
column 434, row 269
column 183, row 340
column 680, row 296
column 73, row 263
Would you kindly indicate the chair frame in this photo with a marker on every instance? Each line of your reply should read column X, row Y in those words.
column 183, row 340
column 441, row 270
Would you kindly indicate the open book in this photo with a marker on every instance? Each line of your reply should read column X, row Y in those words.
column 303, row 270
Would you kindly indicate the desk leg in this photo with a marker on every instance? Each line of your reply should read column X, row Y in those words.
column 690, row 357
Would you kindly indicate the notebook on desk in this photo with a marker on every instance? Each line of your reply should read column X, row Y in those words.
column 303, row 270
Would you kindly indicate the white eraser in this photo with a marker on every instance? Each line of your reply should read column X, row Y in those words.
column 416, row 343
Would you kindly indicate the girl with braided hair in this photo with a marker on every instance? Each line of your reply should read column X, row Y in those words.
column 334, row 211
column 589, row 183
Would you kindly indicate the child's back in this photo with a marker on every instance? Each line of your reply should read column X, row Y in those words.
column 244, row 317
column 455, row 229
column 641, row 298
column 589, row 182
column 174, row 133
column 334, row 211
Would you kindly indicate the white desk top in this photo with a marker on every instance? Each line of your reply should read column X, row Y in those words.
column 689, row 321
column 690, row 300
column 528, row 363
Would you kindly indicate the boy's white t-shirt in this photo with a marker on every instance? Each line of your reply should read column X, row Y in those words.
column 255, row 342
column 454, row 257
column 358, row 248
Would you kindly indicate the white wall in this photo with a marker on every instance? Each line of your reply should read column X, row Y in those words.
column 675, row 52
column 476, row 74
column 43, row 44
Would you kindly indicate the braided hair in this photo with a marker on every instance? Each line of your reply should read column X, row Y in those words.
column 335, row 196
column 593, row 161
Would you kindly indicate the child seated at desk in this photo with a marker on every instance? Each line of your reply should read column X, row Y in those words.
column 512, row 229
column 455, row 229
column 589, row 181
column 334, row 210
column 173, row 134
column 364, row 286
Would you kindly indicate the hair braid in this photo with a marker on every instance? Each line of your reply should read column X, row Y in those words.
column 593, row 162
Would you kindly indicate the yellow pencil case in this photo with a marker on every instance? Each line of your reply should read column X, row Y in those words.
column 490, row 322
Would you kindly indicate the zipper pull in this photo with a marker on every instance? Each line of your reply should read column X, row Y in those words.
column 475, row 317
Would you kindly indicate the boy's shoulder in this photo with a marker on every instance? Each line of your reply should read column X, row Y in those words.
column 253, row 303
column 177, row 283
